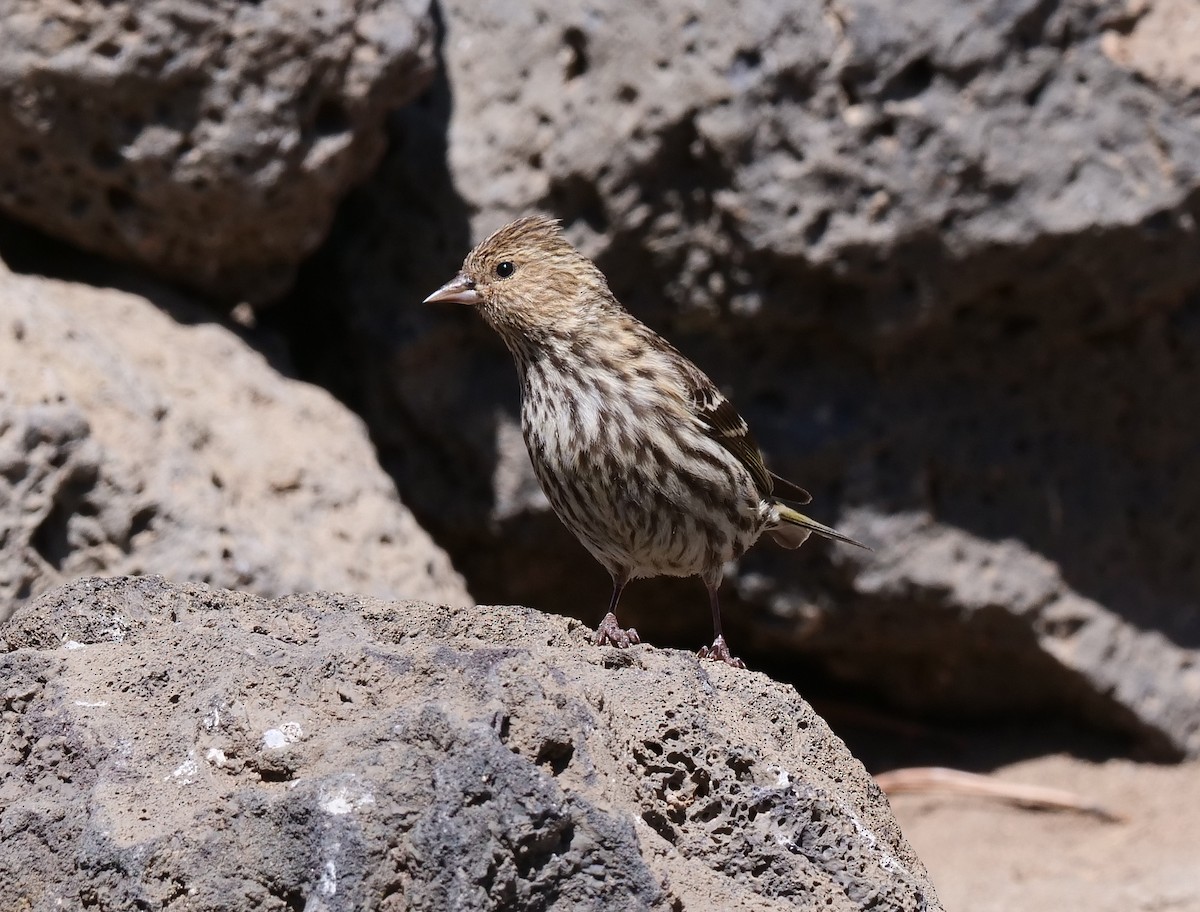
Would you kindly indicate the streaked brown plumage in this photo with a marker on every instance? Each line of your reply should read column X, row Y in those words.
column 637, row 451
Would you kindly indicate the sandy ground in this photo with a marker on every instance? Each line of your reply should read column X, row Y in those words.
column 985, row 856
column 988, row 856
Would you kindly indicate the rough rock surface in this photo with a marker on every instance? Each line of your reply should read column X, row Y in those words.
column 942, row 255
column 133, row 441
column 208, row 141
column 185, row 747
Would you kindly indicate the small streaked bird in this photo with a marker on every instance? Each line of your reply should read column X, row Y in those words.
column 638, row 452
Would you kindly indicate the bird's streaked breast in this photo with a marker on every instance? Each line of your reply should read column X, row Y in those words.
column 630, row 472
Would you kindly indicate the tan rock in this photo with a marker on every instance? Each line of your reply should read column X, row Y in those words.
column 133, row 443
column 1164, row 45
column 207, row 141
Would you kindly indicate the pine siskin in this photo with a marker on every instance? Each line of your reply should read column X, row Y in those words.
column 637, row 451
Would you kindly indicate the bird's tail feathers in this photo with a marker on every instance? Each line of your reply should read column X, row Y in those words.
column 798, row 526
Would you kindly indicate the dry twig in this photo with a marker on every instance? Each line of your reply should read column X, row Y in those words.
column 960, row 782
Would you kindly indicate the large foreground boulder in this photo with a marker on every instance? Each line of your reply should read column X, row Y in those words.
column 191, row 748
column 208, row 141
column 941, row 254
column 137, row 440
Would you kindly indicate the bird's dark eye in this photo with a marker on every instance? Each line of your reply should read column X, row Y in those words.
column 505, row 269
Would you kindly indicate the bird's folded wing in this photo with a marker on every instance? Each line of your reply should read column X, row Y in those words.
column 723, row 423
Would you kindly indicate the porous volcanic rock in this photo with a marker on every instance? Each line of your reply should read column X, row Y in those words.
column 134, row 440
column 208, row 141
column 189, row 748
column 941, row 254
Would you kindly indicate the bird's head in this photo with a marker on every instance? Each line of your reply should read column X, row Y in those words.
column 529, row 283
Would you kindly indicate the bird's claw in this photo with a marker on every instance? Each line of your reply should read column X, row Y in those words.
column 719, row 652
column 610, row 633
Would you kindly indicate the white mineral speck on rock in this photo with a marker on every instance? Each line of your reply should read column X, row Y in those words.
column 337, row 805
column 287, row 733
column 344, row 800
column 186, row 771
column 327, row 885
column 274, row 739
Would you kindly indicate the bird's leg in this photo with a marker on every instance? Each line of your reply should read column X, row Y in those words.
column 719, row 650
column 609, row 632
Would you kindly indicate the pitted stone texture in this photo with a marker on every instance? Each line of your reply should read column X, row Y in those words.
column 207, row 141
column 134, row 443
column 941, row 255
column 184, row 747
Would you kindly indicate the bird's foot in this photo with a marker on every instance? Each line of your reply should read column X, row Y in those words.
column 610, row 633
column 719, row 652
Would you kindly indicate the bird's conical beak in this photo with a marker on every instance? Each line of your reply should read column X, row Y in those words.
column 459, row 290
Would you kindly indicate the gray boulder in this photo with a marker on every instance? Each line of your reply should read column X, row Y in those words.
column 209, row 142
column 185, row 747
column 940, row 254
column 134, row 440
